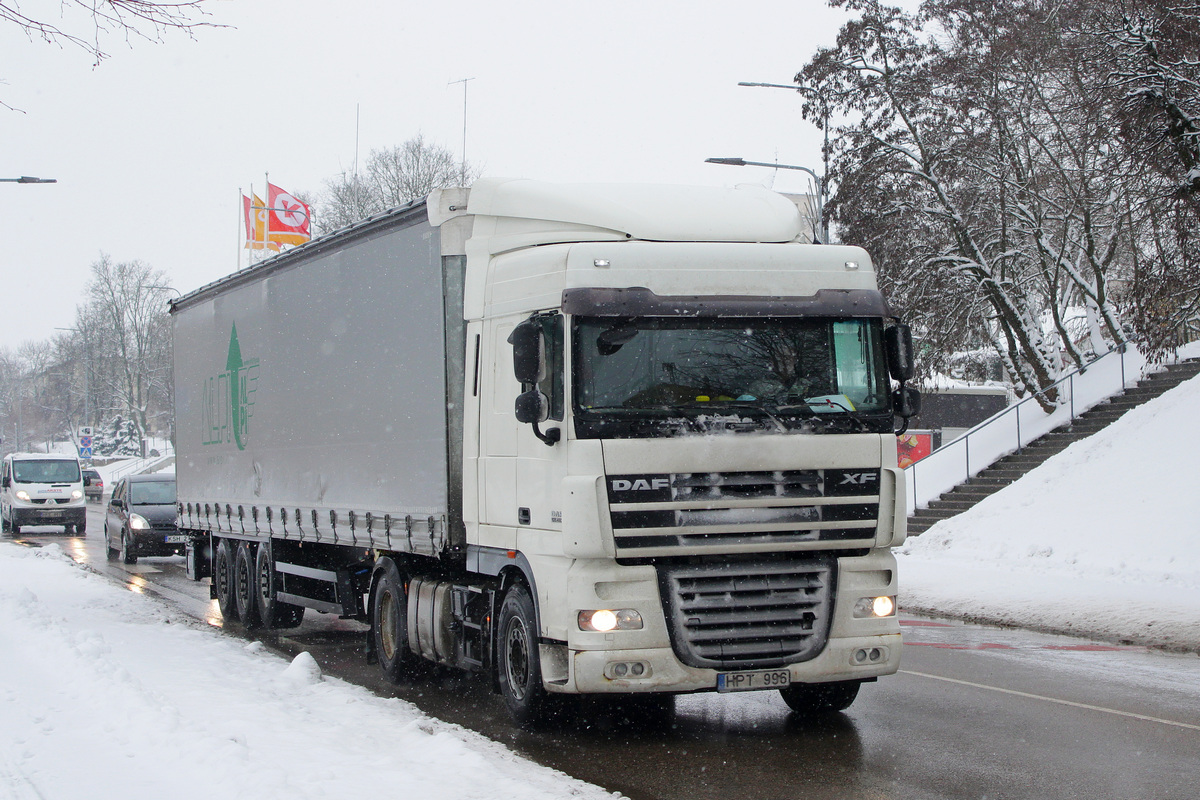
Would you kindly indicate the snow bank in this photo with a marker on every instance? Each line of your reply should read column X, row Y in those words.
column 1101, row 540
column 106, row 693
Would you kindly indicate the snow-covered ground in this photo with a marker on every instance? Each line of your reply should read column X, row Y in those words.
column 106, row 693
column 1102, row 540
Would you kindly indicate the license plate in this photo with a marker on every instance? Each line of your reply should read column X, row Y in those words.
column 51, row 514
column 749, row 681
column 175, row 538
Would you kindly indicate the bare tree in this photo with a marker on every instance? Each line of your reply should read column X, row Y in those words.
column 392, row 177
column 82, row 23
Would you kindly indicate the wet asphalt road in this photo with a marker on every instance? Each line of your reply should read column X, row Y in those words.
column 975, row 712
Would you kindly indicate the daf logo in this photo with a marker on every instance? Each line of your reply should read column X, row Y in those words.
column 858, row 478
column 640, row 485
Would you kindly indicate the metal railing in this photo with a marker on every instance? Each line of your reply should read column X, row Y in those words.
column 1003, row 432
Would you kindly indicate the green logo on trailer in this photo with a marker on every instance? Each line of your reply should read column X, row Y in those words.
column 227, row 398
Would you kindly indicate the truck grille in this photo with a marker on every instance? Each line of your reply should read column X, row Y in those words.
column 731, row 512
column 748, row 614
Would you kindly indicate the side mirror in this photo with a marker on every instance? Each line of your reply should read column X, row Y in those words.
column 906, row 402
column 532, row 407
column 898, row 344
column 529, row 362
column 5, row 482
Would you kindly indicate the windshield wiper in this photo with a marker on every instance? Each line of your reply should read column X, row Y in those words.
column 769, row 413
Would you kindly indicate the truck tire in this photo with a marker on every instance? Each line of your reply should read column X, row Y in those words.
column 245, row 586
column 389, row 623
column 223, row 580
column 518, row 662
column 273, row 613
column 813, row 699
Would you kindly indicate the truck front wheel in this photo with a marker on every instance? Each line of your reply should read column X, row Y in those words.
column 389, row 623
column 518, row 662
column 820, row 698
column 223, row 578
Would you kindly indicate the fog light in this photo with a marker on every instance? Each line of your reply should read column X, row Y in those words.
column 605, row 620
column 884, row 606
column 627, row 670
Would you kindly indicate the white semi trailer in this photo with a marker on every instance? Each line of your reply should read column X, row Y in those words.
column 585, row 439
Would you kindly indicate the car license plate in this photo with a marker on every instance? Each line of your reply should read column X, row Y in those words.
column 174, row 538
column 749, row 681
column 51, row 514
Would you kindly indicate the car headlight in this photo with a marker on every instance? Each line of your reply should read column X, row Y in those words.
column 605, row 620
column 138, row 523
column 23, row 495
column 76, row 495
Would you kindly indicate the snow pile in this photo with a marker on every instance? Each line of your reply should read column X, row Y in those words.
column 106, row 693
column 1101, row 540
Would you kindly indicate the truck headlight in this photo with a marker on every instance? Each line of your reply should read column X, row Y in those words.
column 884, row 606
column 605, row 620
column 138, row 523
column 23, row 495
column 76, row 495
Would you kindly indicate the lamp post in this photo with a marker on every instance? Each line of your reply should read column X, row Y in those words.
column 824, row 127
column 741, row 162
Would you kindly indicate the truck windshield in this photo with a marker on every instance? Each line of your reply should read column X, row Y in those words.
column 818, row 374
column 46, row 471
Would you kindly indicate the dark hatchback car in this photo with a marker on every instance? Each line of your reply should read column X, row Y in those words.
column 141, row 518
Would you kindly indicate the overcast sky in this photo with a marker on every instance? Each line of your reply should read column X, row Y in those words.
column 151, row 147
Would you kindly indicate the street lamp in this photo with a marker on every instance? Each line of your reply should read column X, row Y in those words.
column 741, row 162
column 824, row 127
column 28, row 179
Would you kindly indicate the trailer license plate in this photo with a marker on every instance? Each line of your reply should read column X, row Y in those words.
column 175, row 538
column 749, row 681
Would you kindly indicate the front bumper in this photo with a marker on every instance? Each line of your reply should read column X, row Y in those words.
column 591, row 673
column 155, row 542
column 49, row 515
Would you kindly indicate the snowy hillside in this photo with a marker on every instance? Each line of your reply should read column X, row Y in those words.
column 1103, row 539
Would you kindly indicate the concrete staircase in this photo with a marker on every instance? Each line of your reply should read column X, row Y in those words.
column 1011, row 467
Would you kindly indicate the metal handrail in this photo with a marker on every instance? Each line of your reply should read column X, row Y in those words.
column 1015, row 408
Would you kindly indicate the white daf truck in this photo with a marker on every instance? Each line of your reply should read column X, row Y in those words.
column 584, row 439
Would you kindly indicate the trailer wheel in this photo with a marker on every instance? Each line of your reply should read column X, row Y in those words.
column 245, row 586
column 389, row 623
column 518, row 661
column 820, row 698
column 273, row 613
column 223, row 580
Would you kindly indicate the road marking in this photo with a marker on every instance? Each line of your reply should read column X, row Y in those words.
column 1071, row 703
